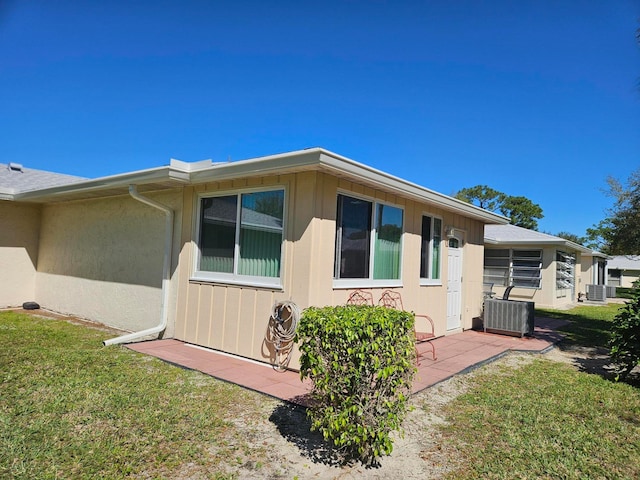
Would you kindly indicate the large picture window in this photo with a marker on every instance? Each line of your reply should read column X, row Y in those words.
column 430, row 251
column 520, row 268
column 368, row 240
column 240, row 237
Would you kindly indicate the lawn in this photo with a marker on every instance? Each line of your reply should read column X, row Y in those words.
column 546, row 419
column 71, row 408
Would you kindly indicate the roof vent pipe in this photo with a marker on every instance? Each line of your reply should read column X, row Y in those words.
column 166, row 273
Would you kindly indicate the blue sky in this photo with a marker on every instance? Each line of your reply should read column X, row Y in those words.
column 532, row 98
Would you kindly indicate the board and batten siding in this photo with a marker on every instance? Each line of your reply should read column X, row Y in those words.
column 234, row 318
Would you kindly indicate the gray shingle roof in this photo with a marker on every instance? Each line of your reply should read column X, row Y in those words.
column 510, row 234
column 16, row 180
column 625, row 262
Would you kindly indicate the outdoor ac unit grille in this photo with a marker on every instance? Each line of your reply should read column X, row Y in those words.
column 509, row 316
column 596, row 293
column 611, row 291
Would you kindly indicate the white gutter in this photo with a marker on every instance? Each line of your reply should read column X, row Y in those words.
column 166, row 273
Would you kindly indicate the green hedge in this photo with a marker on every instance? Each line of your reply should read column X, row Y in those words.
column 361, row 360
column 625, row 292
column 625, row 337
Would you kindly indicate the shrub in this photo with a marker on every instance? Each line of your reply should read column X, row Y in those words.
column 625, row 337
column 361, row 360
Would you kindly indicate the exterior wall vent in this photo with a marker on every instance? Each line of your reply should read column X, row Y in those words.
column 510, row 317
column 596, row 293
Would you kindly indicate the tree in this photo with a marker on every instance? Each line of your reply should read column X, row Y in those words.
column 522, row 211
column 482, row 196
column 624, row 238
column 619, row 233
column 571, row 237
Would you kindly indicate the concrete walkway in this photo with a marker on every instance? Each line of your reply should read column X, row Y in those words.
column 456, row 354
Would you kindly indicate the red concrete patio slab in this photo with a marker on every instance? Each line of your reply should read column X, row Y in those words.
column 455, row 354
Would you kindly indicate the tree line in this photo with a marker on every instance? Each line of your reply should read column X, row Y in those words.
column 617, row 234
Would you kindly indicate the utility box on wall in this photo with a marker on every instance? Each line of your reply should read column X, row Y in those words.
column 509, row 317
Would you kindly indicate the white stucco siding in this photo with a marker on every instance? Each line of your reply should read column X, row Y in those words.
column 19, row 230
column 102, row 260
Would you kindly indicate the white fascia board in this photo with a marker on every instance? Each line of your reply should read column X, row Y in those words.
column 409, row 189
column 142, row 177
column 318, row 158
column 272, row 164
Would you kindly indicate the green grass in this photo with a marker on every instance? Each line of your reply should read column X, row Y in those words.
column 546, row 419
column 71, row 408
column 589, row 325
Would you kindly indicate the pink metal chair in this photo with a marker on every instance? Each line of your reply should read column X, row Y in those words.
column 360, row 297
column 391, row 299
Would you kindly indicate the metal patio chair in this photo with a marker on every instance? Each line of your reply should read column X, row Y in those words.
column 360, row 297
column 391, row 299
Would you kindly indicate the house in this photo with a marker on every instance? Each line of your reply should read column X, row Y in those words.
column 202, row 251
column 19, row 227
column 542, row 268
column 623, row 270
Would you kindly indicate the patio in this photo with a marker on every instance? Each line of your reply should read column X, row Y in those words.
column 457, row 354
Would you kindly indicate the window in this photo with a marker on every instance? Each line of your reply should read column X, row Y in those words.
column 520, row 268
column 240, row 237
column 368, row 240
column 565, row 273
column 430, row 248
column 615, row 277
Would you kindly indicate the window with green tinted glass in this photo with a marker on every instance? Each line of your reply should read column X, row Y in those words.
column 368, row 240
column 242, row 234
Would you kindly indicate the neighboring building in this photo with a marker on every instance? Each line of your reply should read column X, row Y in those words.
column 545, row 269
column 19, row 227
column 202, row 251
column 623, row 270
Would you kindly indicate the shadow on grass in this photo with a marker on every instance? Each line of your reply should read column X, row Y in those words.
column 581, row 330
column 586, row 340
column 293, row 424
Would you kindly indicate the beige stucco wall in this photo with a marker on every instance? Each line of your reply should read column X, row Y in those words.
column 234, row 318
column 19, row 231
column 628, row 277
column 102, row 260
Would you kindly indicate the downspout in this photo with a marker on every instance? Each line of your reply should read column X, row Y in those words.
column 166, row 273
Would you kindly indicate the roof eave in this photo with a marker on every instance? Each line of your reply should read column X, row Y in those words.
column 567, row 243
column 318, row 158
column 143, row 177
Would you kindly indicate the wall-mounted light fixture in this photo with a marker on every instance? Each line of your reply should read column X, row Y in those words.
column 450, row 232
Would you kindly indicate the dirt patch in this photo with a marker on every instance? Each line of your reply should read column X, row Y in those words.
column 285, row 447
column 42, row 313
column 288, row 449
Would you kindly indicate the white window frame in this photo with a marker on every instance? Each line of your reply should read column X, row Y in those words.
column 424, row 281
column 234, row 278
column 369, row 282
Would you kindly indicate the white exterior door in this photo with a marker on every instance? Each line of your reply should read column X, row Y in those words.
column 454, row 285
